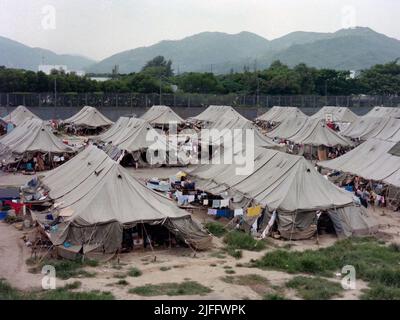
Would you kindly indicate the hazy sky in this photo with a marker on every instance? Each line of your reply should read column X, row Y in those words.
column 100, row 28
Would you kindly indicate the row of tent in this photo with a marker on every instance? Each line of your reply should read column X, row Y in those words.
column 290, row 186
column 96, row 198
column 336, row 114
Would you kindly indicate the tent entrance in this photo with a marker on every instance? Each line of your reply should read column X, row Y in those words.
column 325, row 224
column 145, row 236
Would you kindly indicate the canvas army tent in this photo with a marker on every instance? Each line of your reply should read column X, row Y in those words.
column 337, row 114
column 382, row 112
column 316, row 133
column 30, row 137
column 214, row 113
column 114, row 130
column 19, row 115
column 162, row 116
column 288, row 127
column 279, row 114
column 287, row 184
column 370, row 160
column 89, row 117
column 134, row 136
column 364, row 128
column 98, row 199
column 237, row 125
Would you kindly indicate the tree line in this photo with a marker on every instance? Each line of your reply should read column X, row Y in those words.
column 157, row 75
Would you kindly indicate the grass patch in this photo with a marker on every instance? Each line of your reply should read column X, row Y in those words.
column 74, row 285
column 246, row 280
column 215, row 228
column 134, row 272
column 218, row 255
column 230, row 271
column 165, row 268
column 171, row 289
column 120, row 275
column 240, row 240
column 63, row 294
column 9, row 293
column 122, row 282
column 274, row 296
column 380, row 292
column 314, row 288
column 237, row 254
column 66, row 269
column 373, row 262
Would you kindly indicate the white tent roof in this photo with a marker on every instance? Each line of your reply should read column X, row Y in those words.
column 89, row 117
column 369, row 127
column 134, row 135
column 214, row 113
column 32, row 136
column 19, row 115
column 235, row 123
column 370, row 160
column 161, row 115
column 339, row 114
column 279, row 114
column 114, row 130
column 381, row 112
column 315, row 132
column 288, row 127
column 99, row 190
column 279, row 181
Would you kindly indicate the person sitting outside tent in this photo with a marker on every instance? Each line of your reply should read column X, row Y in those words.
column 39, row 163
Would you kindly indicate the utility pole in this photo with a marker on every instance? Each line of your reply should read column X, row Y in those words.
column 55, row 91
column 160, row 90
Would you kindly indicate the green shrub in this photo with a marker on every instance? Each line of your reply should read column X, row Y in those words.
column 134, row 272
column 240, row 240
column 314, row 288
column 171, row 289
column 215, row 228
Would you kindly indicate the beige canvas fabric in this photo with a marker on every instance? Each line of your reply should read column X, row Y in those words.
column 237, row 125
column 19, row 115
column 279, row 114
column 161, row 115
column 279, row 181
column 365, row 128
column 30, row 137
column 135, row 135
column 316, row 133
column 89, row 117
column 114, row 129
column 370, row 160
column 96, row 191
column 288, row 127
column 214, row 113
column 382, row 112
column 339, row 114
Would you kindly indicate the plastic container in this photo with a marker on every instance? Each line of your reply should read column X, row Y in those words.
column 3, row 215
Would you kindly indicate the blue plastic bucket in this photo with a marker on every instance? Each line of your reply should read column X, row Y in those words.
column 3, row 215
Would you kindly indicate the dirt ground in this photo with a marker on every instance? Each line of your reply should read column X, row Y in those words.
column 207, row 268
